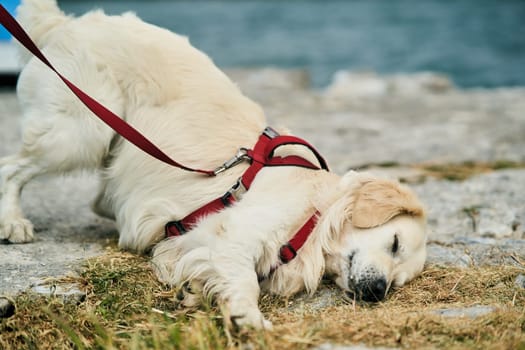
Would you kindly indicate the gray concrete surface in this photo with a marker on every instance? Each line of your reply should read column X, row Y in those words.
column 407, row 120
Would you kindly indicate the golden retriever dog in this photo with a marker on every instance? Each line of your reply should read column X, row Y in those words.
column 370, row 232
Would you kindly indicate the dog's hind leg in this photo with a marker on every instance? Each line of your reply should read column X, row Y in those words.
column 59, row 136
column 16, row 171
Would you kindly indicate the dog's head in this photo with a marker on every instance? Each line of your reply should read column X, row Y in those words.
column 377, row 236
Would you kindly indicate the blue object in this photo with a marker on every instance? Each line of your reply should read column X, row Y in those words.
column 10, row 5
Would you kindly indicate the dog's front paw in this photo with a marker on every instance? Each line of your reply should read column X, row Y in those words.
column 17, row 230
column 247, row 321
column 251, row 318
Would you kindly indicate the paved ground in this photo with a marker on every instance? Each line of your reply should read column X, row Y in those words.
column 361, row 121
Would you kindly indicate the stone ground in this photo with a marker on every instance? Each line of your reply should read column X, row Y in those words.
column 362, row 120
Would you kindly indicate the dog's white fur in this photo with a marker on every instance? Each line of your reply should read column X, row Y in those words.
column 176, row 96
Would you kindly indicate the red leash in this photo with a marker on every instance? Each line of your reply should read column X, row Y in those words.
column 113, row 121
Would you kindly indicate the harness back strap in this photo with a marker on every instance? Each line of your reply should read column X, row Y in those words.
column 112, row 120
column 263, row 155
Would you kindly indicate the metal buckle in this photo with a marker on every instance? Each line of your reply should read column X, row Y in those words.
column 270, row 132
column 237, row 190
column 241, row 155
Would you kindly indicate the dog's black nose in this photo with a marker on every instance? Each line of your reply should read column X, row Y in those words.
column 374, row 290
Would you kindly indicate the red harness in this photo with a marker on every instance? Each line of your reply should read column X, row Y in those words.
column 262, row 154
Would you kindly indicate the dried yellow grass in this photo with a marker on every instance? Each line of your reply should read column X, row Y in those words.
column 126, row 308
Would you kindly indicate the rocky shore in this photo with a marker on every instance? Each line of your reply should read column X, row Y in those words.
column 417, row 128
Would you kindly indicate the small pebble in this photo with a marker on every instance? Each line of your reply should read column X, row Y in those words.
column 69, row 292
column 469, row 312
column 7, row 308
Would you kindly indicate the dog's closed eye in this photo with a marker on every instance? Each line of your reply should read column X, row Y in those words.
column 395, row 245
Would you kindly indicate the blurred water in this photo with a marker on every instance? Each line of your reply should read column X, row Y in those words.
column 475, row 42
column 10, row 6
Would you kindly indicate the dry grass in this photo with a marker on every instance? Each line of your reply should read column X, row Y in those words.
column 462, row 171
column 448, row 171
column 126, row 308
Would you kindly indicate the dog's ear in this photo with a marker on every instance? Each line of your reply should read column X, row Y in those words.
column 339, row 210
column 378, row 201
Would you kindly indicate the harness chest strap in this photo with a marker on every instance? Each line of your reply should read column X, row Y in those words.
column 261, row 156
column 289, row 251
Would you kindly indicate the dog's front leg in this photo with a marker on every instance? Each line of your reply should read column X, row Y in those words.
column 237, row 289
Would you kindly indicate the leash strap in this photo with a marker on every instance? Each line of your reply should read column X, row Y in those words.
column 113, row 121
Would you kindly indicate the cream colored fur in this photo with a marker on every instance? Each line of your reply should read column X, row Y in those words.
column 177, row 97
